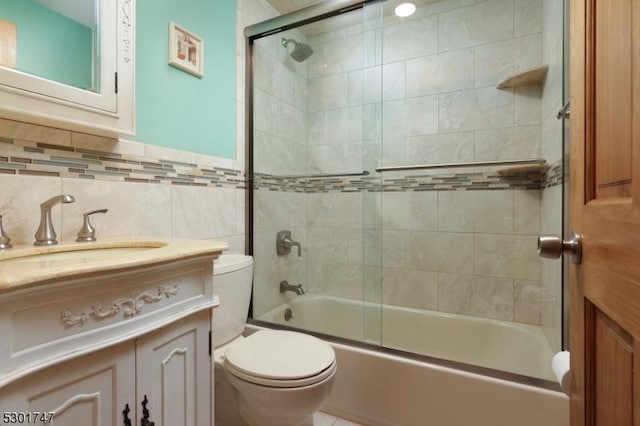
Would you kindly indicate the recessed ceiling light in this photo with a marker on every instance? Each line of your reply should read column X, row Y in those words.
column 405, row 9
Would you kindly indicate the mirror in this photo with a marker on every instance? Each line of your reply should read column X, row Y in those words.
column 53, row 39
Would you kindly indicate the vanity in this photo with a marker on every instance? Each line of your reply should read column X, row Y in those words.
column 69, row 64
column 115, row 332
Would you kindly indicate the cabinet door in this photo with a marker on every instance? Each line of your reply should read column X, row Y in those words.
column 91, row 390
column 174, row 373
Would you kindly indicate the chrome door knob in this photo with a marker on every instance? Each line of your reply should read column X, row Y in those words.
column 552, row 247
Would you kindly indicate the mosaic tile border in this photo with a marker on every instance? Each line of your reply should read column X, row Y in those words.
column 435, row 181
column 41, row 159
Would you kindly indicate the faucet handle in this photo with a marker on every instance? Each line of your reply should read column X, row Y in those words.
column 87, row 232
column 5, row 241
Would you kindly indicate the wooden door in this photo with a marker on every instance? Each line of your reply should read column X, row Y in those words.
column 605, row 209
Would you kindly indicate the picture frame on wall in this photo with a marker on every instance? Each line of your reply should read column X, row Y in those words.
column 186, row 50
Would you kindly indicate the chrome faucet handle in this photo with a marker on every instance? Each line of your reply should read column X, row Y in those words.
column 5, row 241
column 46, row 235
column 284, row 244
column 87, row 232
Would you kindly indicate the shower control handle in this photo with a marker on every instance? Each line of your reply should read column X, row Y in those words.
column 552, row 247
column 284, row 244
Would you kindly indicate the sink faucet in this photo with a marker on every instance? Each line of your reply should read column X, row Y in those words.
column 285, row 286
column 46, row 235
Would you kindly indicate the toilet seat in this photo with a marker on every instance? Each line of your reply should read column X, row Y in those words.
column 279, row 358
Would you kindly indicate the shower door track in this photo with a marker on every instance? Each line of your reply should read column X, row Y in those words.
column 304, row 16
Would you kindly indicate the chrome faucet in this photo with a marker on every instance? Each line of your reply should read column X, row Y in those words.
column 46, row 235
column 284, row 244
column 285, row 286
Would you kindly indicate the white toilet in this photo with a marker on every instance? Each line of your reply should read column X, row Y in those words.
column 272, row 377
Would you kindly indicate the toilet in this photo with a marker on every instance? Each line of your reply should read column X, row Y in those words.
column 271, row 377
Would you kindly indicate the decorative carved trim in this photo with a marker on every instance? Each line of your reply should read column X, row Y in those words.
column 132, row 306
column 93, row 398
column 127, row 23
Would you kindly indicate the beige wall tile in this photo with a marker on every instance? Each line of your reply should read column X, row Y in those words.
column 147, row 208
column 508, row 256
column 527, row 211
column 20, row 198
column 527, row 302
column 422, row 32
column 486, row 297
column 485, row 108
column 203, row 213
column 440, row 252
column 30, row 132
column 410, row 117
column 410, row 288
column 442, row 148
column 476, row 211
column 510, row 143
column 444, row 72
column 528, row 17
column 476, row 24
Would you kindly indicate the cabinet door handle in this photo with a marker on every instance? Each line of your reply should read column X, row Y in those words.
column 125, row 414
column 145, row 414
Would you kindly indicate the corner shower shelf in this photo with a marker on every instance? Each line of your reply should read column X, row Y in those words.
column 530, row 77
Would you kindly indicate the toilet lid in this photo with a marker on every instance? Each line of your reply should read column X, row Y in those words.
column 279, row 355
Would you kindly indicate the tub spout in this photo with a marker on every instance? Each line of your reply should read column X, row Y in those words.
column 285, row 286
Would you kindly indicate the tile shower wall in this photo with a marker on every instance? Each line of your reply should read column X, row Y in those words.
column 149, row 191
column 422, row 90
column 279, row 132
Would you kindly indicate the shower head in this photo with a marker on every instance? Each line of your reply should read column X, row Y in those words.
column 301, row 51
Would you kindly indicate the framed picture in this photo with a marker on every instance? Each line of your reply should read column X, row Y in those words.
column 186, row 50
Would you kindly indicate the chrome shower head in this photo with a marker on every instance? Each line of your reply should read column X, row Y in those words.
column 301, row 51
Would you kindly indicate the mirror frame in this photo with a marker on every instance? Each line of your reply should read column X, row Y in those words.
column 110, row 111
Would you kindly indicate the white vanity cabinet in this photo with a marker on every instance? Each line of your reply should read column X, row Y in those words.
column 86, row 87
column 90, row 339
column 169, row 368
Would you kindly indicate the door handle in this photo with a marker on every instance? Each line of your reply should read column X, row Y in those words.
column 552, row 247
column 145, row 414
column 125, row 415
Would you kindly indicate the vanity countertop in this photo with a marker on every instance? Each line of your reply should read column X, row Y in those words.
column 27, row 265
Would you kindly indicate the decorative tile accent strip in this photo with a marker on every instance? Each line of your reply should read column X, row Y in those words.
column 406, row 182
column 556, row 174
column 513, row 178
column 41, row 159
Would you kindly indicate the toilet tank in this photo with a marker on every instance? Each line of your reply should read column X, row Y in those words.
column 232, row 278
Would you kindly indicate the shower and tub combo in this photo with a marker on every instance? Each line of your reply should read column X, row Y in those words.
column 415, row 169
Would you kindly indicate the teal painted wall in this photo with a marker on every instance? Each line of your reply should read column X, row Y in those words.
column 176, row 109
column 50, row 45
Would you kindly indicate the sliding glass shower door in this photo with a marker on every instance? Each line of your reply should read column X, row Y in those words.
column 315, row 140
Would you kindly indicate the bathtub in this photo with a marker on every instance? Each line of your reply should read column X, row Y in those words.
column 376, row 387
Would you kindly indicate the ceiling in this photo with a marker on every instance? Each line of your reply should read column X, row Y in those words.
column 336, row 23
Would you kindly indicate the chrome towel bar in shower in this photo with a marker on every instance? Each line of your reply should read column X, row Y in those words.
column 532, row 161
column 319, row 176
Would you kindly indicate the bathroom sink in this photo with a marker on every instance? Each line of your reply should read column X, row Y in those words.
column 79, row 255
column 30, row 265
